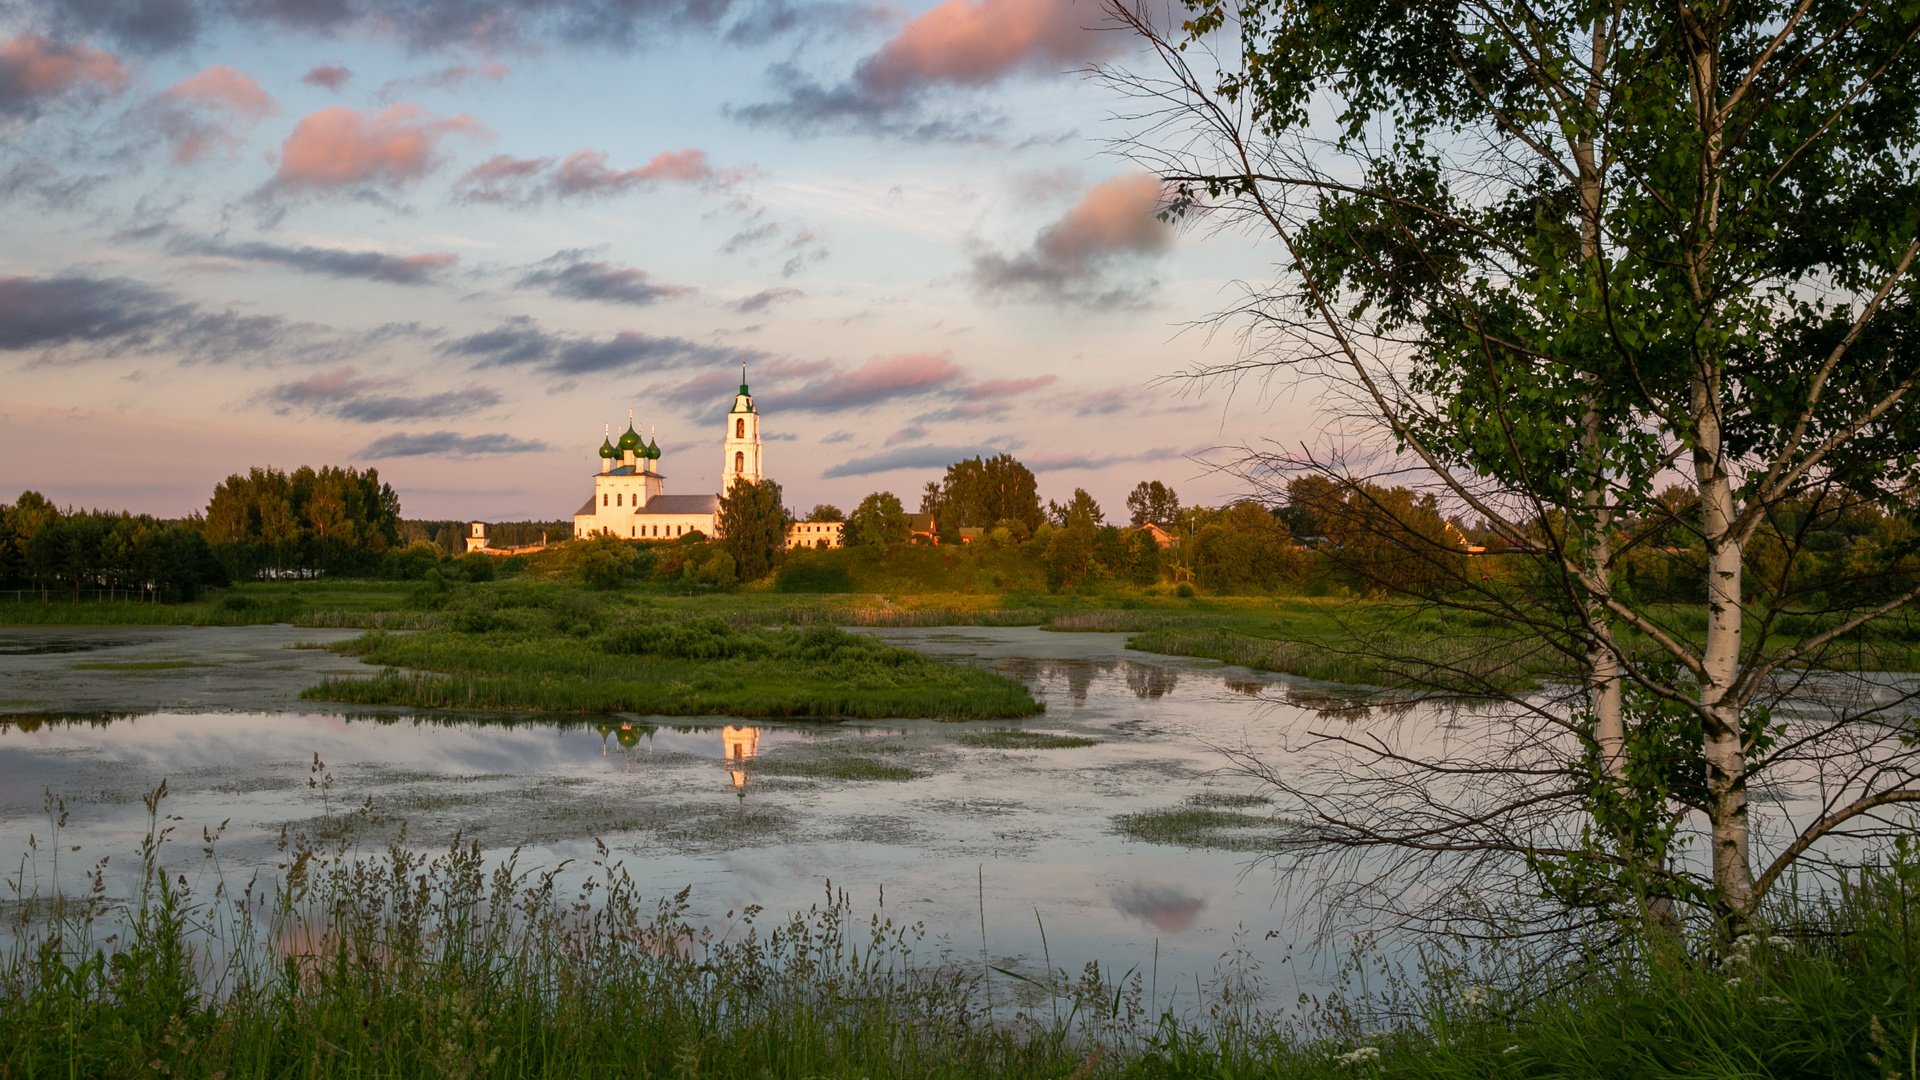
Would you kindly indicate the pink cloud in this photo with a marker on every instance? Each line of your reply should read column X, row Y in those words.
column 1115, row 216
column 504, row 178
column 880, row 379
column 332, row 385
column 33, row 67
column 977, row 41
column 224, row 87
column 339, row 146
column 331, row 76
column 585, row 172
column 1070, row 258
column 211, row 110
column 994, row 389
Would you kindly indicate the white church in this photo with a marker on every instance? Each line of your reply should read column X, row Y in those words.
column 630, row 497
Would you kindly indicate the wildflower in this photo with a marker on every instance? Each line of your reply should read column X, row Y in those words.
column 1366, row 1055
column 1477, row 997
column 1769, row 999
column 1733, row 980
column 1514, row 1049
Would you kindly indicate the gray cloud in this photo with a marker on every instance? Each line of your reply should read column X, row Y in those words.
column 330, row 262
column 520, row 342
column 42, row 183
column 806, row 107
column 49, row 312
column 748, row 237
column 448, row 444
column 346, row 394
column 446, row 78
column 908, row 457
column 330, row 76
column 75, row 318
column 837, row 437
column 764, row 299
column 568, row 274
column 1089, row 459
column 487, row 25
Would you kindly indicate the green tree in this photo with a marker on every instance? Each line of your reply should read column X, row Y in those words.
column 825, row 512
column 1245, row 549
column 604, row 562
column 1152, row 501
column 878, row 520
column 1080, row 509
column 1555, row 249
column 1068, row 556
column 982, row 491
column 753, row 528
column 1143, row 562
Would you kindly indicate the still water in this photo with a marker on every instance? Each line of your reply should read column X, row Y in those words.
column 909, row 814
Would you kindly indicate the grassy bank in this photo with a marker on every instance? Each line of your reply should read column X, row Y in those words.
column 403, row 965
column 586, row 658
column 1337, row 639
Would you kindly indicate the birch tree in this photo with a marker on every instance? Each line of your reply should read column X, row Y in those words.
column 1562, row 253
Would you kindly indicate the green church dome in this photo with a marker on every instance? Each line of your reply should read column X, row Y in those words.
column 607, row 450
column 630, row 439
column 653, row 451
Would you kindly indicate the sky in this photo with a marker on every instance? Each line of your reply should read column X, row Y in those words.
column 455, row 239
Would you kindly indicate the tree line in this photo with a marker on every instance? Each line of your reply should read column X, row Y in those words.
column 72, row 553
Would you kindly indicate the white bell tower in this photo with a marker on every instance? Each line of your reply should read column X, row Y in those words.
column 743, row 440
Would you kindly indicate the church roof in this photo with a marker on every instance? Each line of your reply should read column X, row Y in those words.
column 585, row 507
column 680, row 504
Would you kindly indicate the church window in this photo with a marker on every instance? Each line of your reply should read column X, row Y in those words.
column 617, row 498
column 739, row 462
column 740, row 428
column 603, row 498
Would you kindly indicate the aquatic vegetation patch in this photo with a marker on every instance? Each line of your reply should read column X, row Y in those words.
column 703, row 667
column 138, row 665
column 1014, row 739
column 1205, row 820
column 1228, row 800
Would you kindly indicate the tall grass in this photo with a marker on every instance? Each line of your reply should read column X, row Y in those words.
column 401, row 963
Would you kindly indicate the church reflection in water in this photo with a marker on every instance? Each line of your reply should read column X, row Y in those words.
column 626, row 735
column 741, row 743
column 738, row 745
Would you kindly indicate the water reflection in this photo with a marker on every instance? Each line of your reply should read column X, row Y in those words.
column 625, row 735
column 1078, row 674
column 741, row 743
column 1150, row 681
column 1166, row 908
column 1337, row 705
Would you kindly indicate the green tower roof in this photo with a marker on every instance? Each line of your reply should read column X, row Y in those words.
column 607, row 450
column 630, row 439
